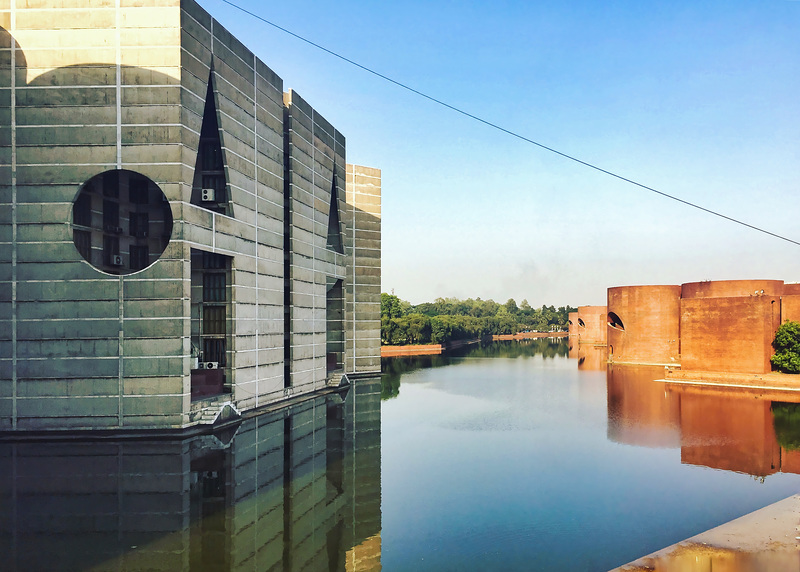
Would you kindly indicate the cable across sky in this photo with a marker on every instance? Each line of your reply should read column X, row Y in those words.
column 505, row 130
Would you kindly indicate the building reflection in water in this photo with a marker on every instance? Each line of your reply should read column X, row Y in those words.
column 722, row 428
column 294, row 489
column 592, row 356
column 641, row 412
column 734, row 433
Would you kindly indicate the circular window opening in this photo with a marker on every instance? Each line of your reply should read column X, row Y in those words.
column 615, row 322
column 581, row 323
column 121, row 222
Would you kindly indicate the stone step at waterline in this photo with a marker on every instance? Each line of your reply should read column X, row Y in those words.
column 212, row 413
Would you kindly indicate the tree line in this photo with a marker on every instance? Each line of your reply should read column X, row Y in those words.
column 449, row 319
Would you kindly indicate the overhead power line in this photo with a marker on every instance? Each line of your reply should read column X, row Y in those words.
column 507, row 131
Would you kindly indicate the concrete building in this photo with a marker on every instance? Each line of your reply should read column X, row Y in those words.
column 722, row 326
column 572, row 324
column 180, row 238
column 729, row 325
column 790, row 302
column 643, row 324
column 591, row 324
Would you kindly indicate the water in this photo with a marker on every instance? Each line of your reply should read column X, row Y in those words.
column 512, row 456
column 510, row 459
column 294, row 489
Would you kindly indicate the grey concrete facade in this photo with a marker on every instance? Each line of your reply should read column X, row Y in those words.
column 165, row 205
column 363, row 296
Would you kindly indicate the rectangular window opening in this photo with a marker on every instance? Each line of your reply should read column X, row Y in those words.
column 140, row 257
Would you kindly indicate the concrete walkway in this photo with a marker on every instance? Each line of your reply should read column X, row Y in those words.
column 763, row 541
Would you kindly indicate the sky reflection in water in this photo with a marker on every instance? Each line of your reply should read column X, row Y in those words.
column 530, row 463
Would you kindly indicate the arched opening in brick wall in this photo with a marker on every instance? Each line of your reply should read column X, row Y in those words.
column 615, row 322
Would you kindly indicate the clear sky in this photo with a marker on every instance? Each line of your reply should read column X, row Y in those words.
column 697, row 99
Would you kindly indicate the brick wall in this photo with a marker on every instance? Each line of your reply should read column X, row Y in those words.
column 651, row 318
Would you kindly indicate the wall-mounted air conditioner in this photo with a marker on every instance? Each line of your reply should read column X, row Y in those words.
column 142, row 233
column 116, row 260
column 208, row 365
column 207, row 195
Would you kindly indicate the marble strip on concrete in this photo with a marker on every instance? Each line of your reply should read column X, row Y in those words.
column 767, row 539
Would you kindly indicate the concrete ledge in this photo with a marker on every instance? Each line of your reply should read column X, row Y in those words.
column 765, row 381
column 127, row 433
column 647, row 363
column 766, row 539
column 530, row 336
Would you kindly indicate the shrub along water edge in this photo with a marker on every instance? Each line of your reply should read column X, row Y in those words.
column 787, row 348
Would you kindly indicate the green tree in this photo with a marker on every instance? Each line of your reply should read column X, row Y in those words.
column 391, row 311
column 787, row 348
column 447, row 319
column 391, row 306
column 511, row 306
column 416, row 327
column 426, row 309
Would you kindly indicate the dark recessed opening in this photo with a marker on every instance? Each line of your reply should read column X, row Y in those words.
column 334, row 241
column 121, row 221
column 615, row 322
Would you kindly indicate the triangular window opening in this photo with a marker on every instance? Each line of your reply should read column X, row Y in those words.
column 334, row 229
column 209, row 188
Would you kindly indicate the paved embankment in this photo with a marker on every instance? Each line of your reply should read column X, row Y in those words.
column 424, row 349
column 411, row 350
column 773, row 381
column 529, row 336
column 762, row 540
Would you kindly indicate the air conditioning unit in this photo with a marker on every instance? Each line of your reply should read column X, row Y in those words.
column 207, row 195
column 141, row 233
column 116, row 260
column 112, row 228
column 208, row 365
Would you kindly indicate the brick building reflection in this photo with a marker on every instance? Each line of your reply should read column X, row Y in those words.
column 587, row 337
column 641, row 412
column 591, row 357
column 729, row 429
column 296, row 488
column 734, row 433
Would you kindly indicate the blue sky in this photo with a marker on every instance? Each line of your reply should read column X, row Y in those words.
column 698, row 100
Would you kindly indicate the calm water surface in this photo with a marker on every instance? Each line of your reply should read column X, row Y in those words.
column 294, row 489
column 516, row 457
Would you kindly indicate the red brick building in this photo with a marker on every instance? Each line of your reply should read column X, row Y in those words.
column 725, row 325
